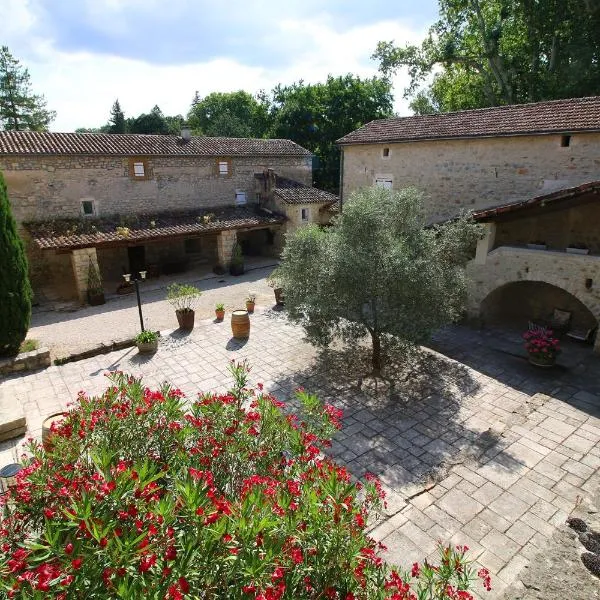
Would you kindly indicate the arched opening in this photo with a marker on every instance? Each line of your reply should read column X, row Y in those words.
column 517, row 303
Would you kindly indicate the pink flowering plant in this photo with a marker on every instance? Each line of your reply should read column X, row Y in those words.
column 139, row 495
column 541, row 345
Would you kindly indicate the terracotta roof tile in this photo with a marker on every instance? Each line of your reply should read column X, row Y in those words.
column 556, row 116
column 70, row 234
column 29, row 142
column 291, row 191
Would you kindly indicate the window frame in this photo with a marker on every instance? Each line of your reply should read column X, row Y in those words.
column 385, row 156
column 92, row 202
column 302, row 219
column 223, row 161
column 136, row 161
column 384, row 179
column 243, row 194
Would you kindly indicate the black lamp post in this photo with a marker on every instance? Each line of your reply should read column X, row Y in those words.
column 128, row 279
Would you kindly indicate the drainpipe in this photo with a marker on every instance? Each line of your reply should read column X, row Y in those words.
column 341, row 177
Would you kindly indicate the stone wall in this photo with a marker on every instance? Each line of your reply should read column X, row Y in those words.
column 558, row 229
column 54, row 186
column 81, row 261
column 575, row 274
column 475, row 173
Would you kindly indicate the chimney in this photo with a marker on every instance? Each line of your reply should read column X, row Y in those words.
column 186, row 132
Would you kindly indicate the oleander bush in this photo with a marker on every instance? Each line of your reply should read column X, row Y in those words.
column 138, row 494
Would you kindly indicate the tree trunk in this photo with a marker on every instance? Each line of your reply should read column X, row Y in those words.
column 376, row 358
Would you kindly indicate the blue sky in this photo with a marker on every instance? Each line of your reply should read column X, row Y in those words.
column 82, row 54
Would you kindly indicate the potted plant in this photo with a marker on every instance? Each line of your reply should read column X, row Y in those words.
column 146, row 342
column 542, row 347
column 236, row 266
column 578, row 248
column 220, row 311
column 95, row 292
column 184, row 298
column 537, row 245
column 273, row 282
column 250, row 302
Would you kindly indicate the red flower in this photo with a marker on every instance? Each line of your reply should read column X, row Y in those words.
column 171, row 553
column 69, row 548
column 76, row 563
column 183, row 585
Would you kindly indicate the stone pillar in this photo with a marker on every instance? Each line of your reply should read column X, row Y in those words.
column 80, row 260
column 485, row 244
column 225, row 242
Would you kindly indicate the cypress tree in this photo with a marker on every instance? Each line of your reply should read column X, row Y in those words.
column 15, row 290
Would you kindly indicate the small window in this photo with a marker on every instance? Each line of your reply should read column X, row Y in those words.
column 240, row 198
column 385, row 153
column 258, row 197
column 223, row 168
column 138, row 168
column 304, row 214
column 565, row 141
column 384, row 183
column 88, row 208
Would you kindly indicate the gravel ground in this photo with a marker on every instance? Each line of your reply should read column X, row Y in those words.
column 81, row 329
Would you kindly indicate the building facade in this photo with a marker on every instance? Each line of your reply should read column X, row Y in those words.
column 130, row 202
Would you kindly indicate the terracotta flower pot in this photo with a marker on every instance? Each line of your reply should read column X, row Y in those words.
column 539, row 361
column 220, row 314
column 185, row 318
column 147, row 347
column 47, row 428
column 250, row 307
column 278, row 296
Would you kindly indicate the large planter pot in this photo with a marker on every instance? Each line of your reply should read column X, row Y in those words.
column 240, row 324
column 220, row 314
column 236, row 269
column 96, row 298
column 47, row 428
column 185, row 318
column 544, row 363
column 278, row 296
column 147, row 347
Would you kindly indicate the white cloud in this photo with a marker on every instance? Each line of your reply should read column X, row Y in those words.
column 82, row 86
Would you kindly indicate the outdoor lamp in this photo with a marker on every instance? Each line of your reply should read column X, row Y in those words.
column 8, row 477
column 127, row 278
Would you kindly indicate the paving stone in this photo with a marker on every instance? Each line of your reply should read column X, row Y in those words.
column 520, row 532
column 12, row 418
column 459, row 505
column 501, row 545
column 477, row 528
column 487, row 493
column 508, row 506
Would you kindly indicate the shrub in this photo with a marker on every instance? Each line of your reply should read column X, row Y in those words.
column 183, row 297
column 137, row 498
column 15, row 290
column 94, row 279
column 145, row 337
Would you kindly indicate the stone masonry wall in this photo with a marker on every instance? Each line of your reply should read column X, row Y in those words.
column 81, row 259
column 53, row 186
column 506, row 265
column 475, row 173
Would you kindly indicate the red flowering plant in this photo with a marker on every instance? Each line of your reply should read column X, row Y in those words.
column 541, row 345
column 138, row 495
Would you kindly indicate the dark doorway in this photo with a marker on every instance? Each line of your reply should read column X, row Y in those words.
column 137, row 260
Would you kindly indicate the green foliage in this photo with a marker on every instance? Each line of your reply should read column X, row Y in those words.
column 498, row 52
column 219, row 306
column 29, row 345
column 231, row 114
column 237, row 257
column 15, row 290
column 316, row 115
column 20, row 108
column 150, row 123
column 117, row 118
column 377, row 271
column 146, row 337
column 182, row 296
column 94, row 279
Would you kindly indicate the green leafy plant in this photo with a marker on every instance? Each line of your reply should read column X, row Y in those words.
column 219, row 306
column 146, row 337
column 251, row 297
column 183, row 297
column 29, row 345
column 136, row 496
column 237, row 257
column 94, row 279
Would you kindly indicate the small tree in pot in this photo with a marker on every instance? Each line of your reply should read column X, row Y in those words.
column 184, row 299
column 95, row 290
column 236, row 266
column 147, row 342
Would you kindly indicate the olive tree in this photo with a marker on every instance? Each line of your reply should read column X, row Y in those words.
column 378, row 271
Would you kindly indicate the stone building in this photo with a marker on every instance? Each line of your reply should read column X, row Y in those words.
column 139, row 202
column 530, row 172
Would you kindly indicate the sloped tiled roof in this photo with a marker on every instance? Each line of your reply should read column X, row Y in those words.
column 295, row 192
column 585, row 189
column 87, row 233
column 30, row 142
column 556, row 116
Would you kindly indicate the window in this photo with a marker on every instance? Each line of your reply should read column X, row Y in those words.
column 88, row 208
column 258, row 197
column 385, row 153
column 304, row 214
column 565, row 141
column 240, row 198
column 138, row 168
column 223, row 167
column 384, row 182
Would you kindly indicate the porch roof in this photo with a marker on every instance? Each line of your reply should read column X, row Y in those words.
column 586, row 192
column 72, row 234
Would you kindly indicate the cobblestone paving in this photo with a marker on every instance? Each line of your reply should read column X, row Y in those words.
column 486, row 452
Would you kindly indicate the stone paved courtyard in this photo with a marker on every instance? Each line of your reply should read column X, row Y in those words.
column 486, row 452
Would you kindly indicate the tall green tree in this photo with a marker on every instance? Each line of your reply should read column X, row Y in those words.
column 15, row 290
column 117, row 118
column 20, row 108
column 493, row 52
column 315, row 115
column 377, row 272
column 152, row 122
column 230, row 114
